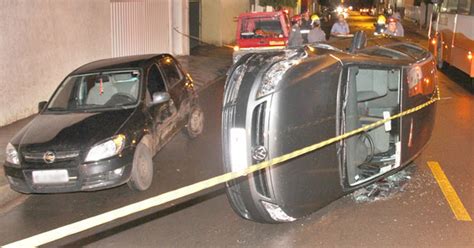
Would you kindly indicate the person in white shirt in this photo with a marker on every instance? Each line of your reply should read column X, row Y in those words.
column 340, row 27
column 316, row 34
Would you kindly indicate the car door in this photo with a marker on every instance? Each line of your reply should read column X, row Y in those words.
column 175, row 82
column 162, row 114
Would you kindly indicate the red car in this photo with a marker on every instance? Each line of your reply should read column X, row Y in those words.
column 261, row 31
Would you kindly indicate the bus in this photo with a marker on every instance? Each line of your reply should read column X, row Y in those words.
column 452, row 35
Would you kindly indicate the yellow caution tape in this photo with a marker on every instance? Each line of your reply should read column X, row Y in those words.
column 79, row 226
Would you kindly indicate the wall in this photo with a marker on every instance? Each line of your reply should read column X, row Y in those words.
column 141, row 27
column 231, row 9
column 218, row 25
column 42, row 41
column 211, row 15
column 180, row 21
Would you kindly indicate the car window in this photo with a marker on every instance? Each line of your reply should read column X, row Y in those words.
column 95, row 91
column 384, row 52
column 261, row 26
column 411, row 50
column 155, row 80
column 170, row 71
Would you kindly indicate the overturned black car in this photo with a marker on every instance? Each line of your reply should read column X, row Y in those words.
column 279, row 102
column 103, row 125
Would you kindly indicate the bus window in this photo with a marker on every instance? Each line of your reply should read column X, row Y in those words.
column 450, row 6
column 464, row 7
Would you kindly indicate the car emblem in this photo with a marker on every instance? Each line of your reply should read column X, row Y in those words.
column 49, row 157
column 259, row 153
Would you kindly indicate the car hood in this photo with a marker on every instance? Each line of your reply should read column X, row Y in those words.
column 70, row 131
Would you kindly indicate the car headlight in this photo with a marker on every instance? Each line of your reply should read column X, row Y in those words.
column 106, row 149
column 274, row 75
column 12, row 155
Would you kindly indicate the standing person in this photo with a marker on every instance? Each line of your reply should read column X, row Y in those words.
column 305, row 26
column 316, row 34
column 392, row 28
column 380, row 25
column 295, row 38
column 340, row 27
column 400, row 28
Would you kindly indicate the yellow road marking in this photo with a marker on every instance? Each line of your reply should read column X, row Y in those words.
column 449, row 193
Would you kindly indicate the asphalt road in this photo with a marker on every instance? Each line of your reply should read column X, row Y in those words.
column 419, row 216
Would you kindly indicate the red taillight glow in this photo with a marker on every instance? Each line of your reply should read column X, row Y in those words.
column 469, row 55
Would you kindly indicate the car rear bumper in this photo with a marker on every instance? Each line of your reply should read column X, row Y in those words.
column 99, row 175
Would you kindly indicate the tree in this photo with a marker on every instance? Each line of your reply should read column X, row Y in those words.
column 277, row 4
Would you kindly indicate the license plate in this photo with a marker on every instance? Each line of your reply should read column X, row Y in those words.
column 50, row 176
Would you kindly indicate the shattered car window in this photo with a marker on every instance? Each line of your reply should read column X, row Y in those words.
column 261, row 27
column 385, row 188
column 110, row 90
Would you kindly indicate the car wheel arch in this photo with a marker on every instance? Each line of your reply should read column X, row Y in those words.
column 147, row 140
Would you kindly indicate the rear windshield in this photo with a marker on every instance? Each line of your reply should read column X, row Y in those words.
column 410, row 50
column 384, row 52
column 261, row 27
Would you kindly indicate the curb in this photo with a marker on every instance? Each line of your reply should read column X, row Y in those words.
column 210, row 82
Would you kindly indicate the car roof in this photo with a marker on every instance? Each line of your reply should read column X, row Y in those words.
column 137, row 61
column 257, row 14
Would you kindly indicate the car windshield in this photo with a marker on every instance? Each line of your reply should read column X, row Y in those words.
column 261, row 26
column 97, row 91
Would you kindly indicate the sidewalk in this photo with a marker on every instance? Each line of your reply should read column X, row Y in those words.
column 205, row 65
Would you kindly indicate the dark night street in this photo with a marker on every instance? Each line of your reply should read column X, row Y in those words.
column 417, row 216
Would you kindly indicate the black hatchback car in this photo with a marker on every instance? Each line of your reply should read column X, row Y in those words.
column 103, row 125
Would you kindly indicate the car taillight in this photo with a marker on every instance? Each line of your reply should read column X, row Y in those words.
column 414, row 78
column 469, row 55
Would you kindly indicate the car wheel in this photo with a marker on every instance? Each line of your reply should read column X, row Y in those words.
column 439, row 54
column 195, row 123
column 142, row 170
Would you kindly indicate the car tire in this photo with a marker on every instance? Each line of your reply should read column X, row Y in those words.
column 142, row 170
column 439, row 54
column 195, row 124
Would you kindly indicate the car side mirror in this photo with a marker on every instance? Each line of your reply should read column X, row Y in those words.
column 41, row 106
column 160, row 97
column 359, row 41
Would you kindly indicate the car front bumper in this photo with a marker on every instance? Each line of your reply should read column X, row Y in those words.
column 98, row 175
